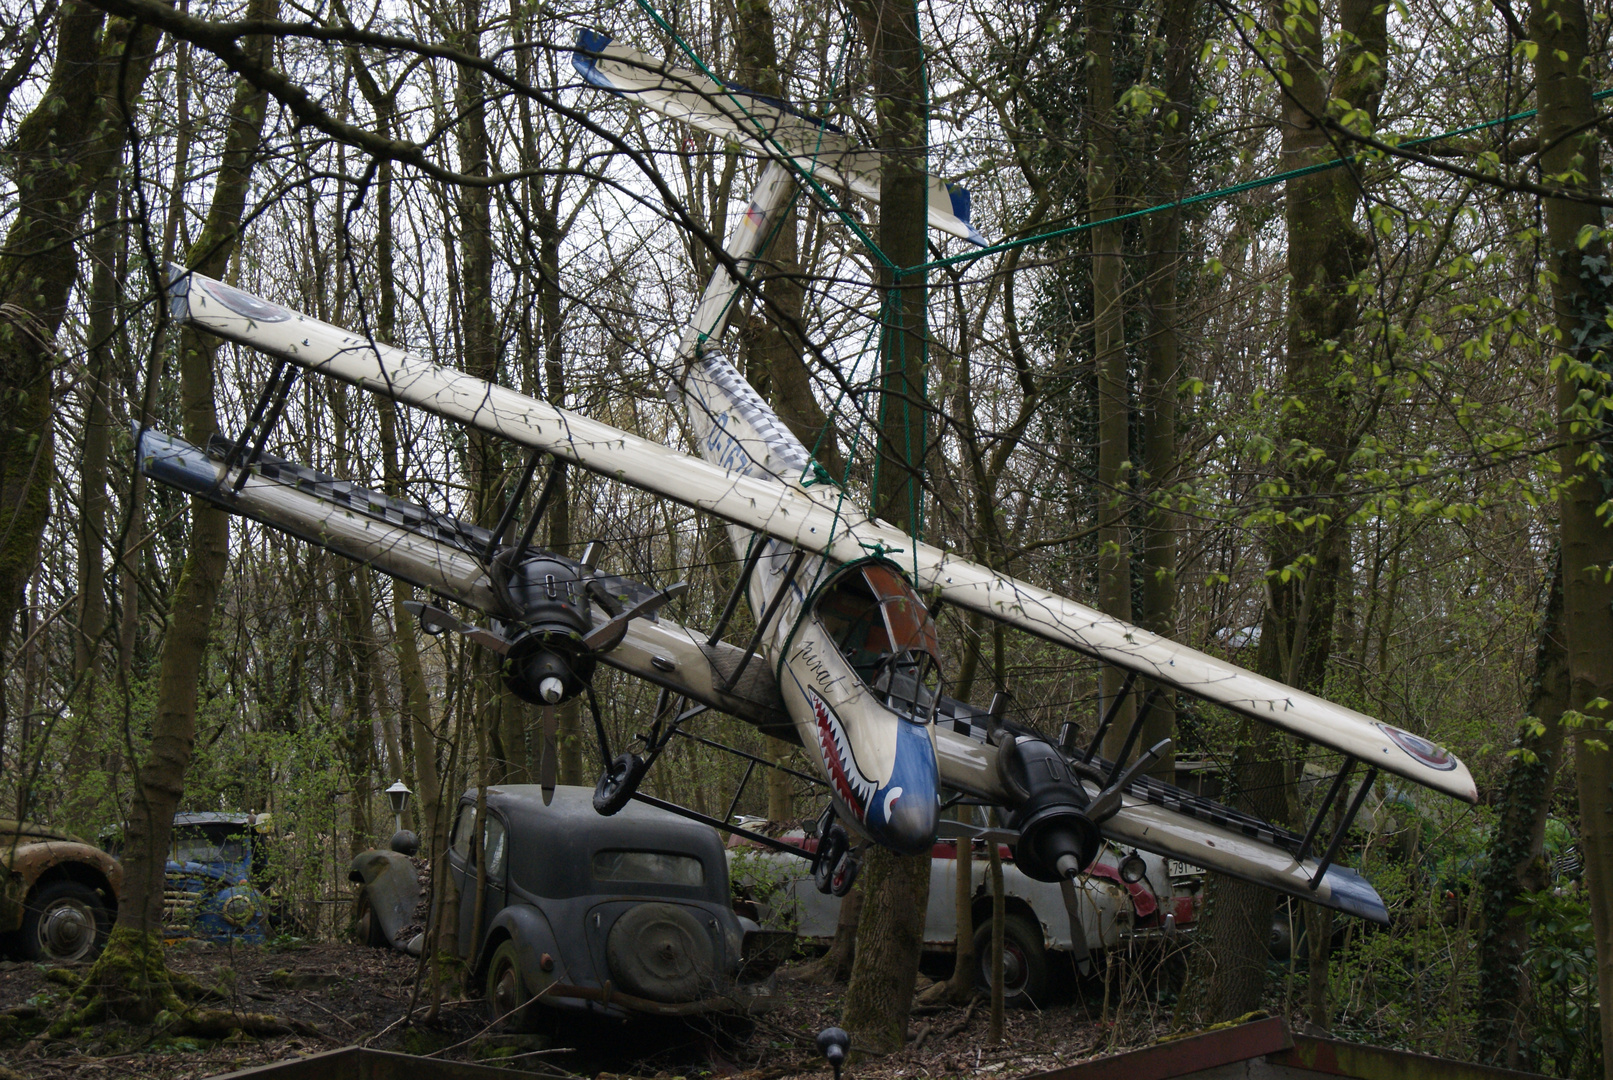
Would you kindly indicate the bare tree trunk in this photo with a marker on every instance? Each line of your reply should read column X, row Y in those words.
column 87, row 719
column 965, row 964
column 160, row 781
column 1326, row 253
column 885, row 968
column 570, row 729
column 58, row 157
column 1571, row 156
column 891, row 931
column 999, row 920
column 834, row 966
column 1163, row 368
column 1109, row 351
column 1515, row 865
column 417, row 731
column 97, row 439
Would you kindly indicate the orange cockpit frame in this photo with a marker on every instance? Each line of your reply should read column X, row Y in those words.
column 886, row 634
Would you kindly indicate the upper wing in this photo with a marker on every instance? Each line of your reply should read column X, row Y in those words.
column 764, row 124
column 819, row 520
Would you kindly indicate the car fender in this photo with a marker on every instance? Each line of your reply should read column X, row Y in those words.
column 392, row 888
column 27, row 864
column 534, row 939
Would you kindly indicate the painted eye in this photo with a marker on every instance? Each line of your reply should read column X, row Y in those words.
column 1428, row 753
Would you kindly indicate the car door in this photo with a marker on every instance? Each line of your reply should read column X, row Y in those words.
column 495, row 849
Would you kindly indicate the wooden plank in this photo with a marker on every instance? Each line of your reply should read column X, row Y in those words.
column 1185, row 1056
column 1331, row 1057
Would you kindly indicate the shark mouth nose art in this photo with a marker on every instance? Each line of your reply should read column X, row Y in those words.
column 854, row 789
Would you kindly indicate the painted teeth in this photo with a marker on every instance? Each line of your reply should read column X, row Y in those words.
column 851, row 785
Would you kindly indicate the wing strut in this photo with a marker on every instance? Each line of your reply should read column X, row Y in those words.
column 1344, row 827
column 1340, row 778
column 747, row 755
column 704, row 819
column 278, row 386
column 507, row 518
column 1108, row 718
column 1131, row 735
column 758, row 545
column 767, row 618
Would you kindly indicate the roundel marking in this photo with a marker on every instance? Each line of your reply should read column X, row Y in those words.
column 1422, row 750
column 244, row 304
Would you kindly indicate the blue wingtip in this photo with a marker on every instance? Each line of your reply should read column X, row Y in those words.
column 591, row 41
column 1354, row 895
column 961, row 205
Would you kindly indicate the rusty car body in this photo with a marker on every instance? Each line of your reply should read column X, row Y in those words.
column 58, row 893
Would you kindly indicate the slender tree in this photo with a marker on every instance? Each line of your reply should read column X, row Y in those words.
column 59, row 156
column 1327, row 254
column 890, row 933
column 1581, row 290
column 139, row 989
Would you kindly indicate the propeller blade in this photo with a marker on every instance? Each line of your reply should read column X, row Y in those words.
column 1107, row 804
column 551, row 753
column 608, row 635
column 431, row 615
column 1079, row 947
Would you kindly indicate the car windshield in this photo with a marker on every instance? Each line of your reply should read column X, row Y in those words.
column 201, row 849
column 658, row 867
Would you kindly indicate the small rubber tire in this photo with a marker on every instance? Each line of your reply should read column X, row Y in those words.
column 618, row 783
column 845, row 874
column 509, row 1000
column 1025, row 970
column 64, row 922
column 832, row 848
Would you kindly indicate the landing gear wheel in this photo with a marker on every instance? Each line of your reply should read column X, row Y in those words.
column 617, row 784
column 834, row 846
column 64, row 922
column 845, row 873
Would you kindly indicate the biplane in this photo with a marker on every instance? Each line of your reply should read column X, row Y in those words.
column 845, row 659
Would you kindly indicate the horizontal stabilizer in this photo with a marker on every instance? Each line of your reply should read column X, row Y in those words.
column 764, row 124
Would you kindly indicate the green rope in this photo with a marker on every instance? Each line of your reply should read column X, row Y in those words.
column 1235, row 189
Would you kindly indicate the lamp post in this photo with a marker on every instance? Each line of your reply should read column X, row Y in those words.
column 398, row 794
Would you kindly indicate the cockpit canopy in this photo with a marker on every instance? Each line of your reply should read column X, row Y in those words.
column 886, row 634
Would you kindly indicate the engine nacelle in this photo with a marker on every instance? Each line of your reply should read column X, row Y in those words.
column 547, row 662
column 1056, row 837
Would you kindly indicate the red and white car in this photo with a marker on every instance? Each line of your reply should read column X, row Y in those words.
column 1163, row 898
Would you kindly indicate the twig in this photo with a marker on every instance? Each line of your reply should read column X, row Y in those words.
column 968, row 1014
column 408, row 1014
column 490, row 1024
column 327, row 1012
column 947, row 1033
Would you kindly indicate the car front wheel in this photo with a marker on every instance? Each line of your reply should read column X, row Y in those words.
column 510, row 1003
column 65, row 922
column 1025, row 973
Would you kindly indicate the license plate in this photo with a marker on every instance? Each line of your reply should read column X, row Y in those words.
column 1177, row 868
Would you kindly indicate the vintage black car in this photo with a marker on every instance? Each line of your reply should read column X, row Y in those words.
column 614, row 916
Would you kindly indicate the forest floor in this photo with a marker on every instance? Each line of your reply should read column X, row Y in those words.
column 339, row 995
